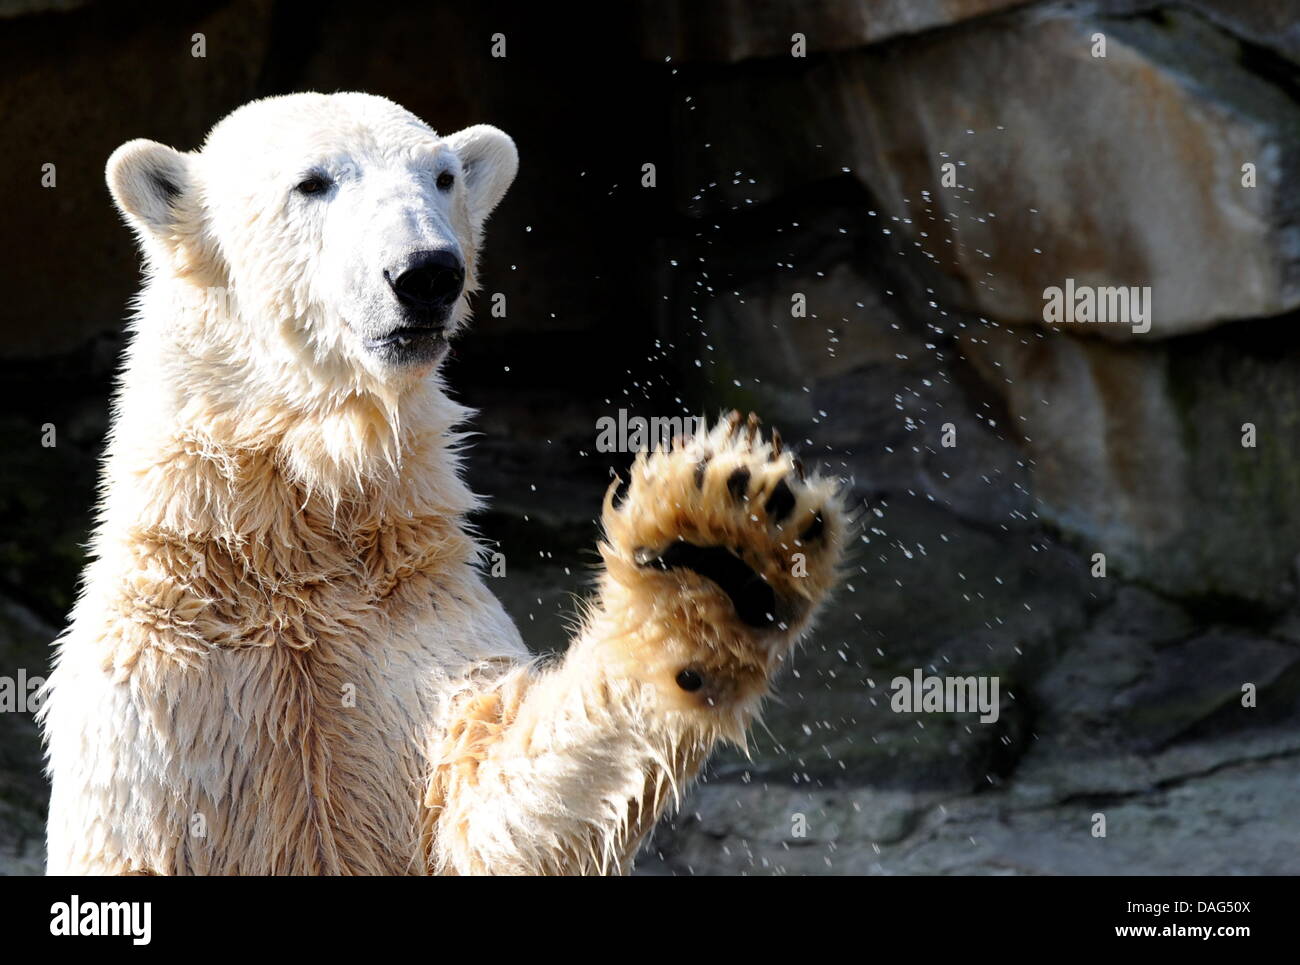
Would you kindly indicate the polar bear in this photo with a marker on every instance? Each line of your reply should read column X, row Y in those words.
column 284, row 657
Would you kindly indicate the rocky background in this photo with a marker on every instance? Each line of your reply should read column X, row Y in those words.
column 819, row 176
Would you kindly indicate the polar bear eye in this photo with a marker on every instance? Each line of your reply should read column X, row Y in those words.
column 312, row 185
column 445, row 180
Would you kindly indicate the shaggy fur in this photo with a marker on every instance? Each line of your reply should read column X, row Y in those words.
column 284, row 659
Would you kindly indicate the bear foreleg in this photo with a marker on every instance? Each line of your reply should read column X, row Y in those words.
column 717, row 554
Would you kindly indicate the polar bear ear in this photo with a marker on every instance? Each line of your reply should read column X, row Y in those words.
column 148, row 180
column 489, row 160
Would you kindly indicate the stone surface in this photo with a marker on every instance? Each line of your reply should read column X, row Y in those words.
column 1272, row 24
column 1231, row 820
column 731, row 30
column 1060, row 171
column 1196, row 679
column 24, row 649
column 1076, row 696
column 927, row 592
column 19, row 8
column 1137, row 452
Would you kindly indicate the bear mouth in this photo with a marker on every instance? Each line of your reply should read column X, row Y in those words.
column 405, row 336
column 409, row 343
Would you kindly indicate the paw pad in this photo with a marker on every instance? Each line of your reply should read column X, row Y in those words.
column 738, row 484
column 751, row 595
column 690, row 680
column 739, row 512
column 814, row 530
column 781, row 503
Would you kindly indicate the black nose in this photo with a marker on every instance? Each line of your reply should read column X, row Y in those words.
column 433, row 280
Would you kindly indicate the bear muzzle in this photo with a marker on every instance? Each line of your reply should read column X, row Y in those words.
column 429, row 284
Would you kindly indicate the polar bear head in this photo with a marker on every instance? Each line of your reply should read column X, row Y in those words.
column 329, row 242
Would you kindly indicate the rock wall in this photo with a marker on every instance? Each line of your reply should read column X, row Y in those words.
column 824, row 178
column 854, row 242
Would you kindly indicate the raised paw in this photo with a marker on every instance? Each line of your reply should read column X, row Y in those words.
column 724, row 547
